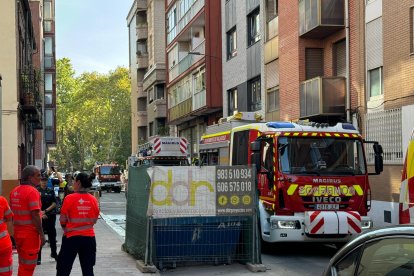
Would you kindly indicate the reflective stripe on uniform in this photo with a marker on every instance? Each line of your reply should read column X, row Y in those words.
column 79, row 228
column 3, row 234
column 1, row 221
column 29, row 262
column 22, row 212
column 33, row 203
column 8, row 212
column 22, row 222
column 78, row 220
column 6, row 269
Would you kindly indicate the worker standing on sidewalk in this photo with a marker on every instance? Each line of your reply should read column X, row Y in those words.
column 48, row 198
column 6, row 253
column 78, row 215
column 28, row 233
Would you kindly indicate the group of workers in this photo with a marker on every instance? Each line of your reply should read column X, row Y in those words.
column 32, row 213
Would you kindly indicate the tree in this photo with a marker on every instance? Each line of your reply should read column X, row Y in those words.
column 93, row 117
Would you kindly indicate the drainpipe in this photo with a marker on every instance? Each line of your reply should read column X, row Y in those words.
column 347, row 80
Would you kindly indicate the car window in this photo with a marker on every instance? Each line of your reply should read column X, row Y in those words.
column 391, row 257
column 347, row 265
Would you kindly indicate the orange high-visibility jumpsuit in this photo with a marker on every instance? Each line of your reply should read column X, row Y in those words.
column 6, row 254
column 23, row 200
column 78, row 215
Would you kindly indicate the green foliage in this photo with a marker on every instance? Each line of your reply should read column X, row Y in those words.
column 93, row 117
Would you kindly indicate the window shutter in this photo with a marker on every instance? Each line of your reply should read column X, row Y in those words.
column 340, row 58
column 314, row 62
column 374, row 43
column 272, row 74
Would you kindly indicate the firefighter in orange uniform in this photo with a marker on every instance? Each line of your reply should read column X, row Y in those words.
column 78, row 215
column 28, row 233
column 6, row 253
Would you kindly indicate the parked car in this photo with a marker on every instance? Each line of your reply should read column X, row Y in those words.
column 96, row 186
column 388, row 251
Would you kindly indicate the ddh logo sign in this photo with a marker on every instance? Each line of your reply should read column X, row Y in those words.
column 182, row 191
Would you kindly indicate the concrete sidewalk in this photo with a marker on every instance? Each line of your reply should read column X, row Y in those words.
column 110, row 259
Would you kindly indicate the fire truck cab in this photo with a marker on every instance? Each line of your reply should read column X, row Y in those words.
column 407, row 185
column 312, row 179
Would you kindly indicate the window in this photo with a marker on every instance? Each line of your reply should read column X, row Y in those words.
column 232, row 101
column 231, row 43
column 254, row 95
column 253, row 27
column 273, row 99
column 48, row 89
column 412, row 28
column 375, row 82
column 240, row 154
column 47, row 25
column 271, row 9
column 48, row 46
column 47, row 10
column 199, row 81
column 159, row 94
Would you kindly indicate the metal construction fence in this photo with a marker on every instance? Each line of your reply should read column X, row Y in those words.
column 199, row 218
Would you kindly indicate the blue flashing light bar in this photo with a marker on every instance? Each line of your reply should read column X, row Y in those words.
column 280, row 125
column 348, row 126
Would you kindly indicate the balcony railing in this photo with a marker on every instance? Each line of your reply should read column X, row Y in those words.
column 142, row 118
column 320, row 18
column 142, row 4
column 271, row 50
column 142, row 61
column 180, row 110
column 159, row 108
column 142, row 31
column 140, row 91
column 185, row 19
column 29, row 87
column 199, row 99
column 322, row 96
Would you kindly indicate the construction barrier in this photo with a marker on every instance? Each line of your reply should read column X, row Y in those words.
column 187, row 215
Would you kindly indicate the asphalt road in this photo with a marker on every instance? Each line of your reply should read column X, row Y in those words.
column 284, row 259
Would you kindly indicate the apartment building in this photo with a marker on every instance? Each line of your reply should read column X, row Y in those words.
column 43, row 18
column 389, row 81
column 242, row 45
column 194, row 65
column 154, row 79
column 138, row 65
column 22, row 80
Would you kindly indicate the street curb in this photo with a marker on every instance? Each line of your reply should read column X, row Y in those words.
column 146, row 268
column 256, row 267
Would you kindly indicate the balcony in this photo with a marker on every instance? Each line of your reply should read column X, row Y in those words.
column 142, row 60
column 37, row 119
column 320, row 18
column 189, row 60
column 322, row 96
column 185, row 19
column 159, row 107
column 140, row 91
column 29, row 87
column 180, row 110
column 142, row 119
column 142, row 32
column 271, row 50
column 142, row 4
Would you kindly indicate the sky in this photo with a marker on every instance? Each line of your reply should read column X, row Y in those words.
column 93, row 34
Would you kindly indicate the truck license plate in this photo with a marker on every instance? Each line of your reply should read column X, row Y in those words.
column 327, row 207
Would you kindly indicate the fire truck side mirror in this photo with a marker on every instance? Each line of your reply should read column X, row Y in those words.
column 379, row 166
column 255, row 158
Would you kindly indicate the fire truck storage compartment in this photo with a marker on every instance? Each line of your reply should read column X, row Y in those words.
column 198, row 239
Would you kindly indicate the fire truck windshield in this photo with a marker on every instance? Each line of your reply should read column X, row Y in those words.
column 321, row 156
column 109, row 170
